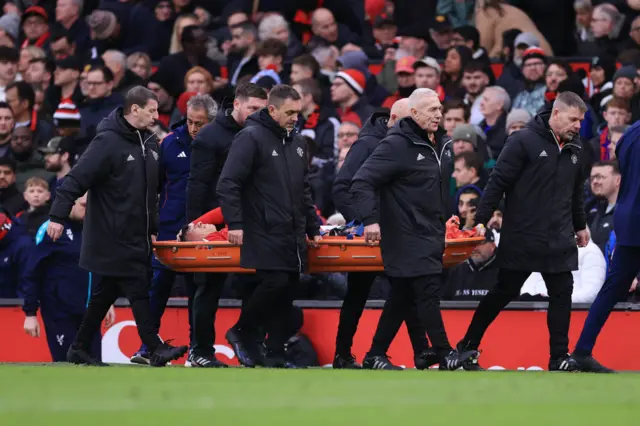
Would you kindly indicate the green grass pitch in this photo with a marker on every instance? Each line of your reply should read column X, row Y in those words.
column 42, row 395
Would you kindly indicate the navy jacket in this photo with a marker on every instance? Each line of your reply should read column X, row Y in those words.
column 175, row 157
column 138, row 28
column 94, row 110
column 321, row 126
column 374, row 130
column 14, row 254
column 54, row 281
column 627, row 214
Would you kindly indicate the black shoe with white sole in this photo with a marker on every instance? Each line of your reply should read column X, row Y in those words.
column 565, row 363
column 378, row 362
column 165, row 353
column 471, row 362
column 206, row 361
column 455, row 360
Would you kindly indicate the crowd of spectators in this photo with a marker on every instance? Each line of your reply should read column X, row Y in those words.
column 65, row 65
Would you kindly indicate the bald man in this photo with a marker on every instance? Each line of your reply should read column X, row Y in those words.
column 325, row 27
column 409, row 169
column 359, row 284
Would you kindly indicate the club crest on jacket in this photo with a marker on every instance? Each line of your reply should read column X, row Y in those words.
column 300, row 152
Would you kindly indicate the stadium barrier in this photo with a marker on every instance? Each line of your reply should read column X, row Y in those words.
column 518, row 340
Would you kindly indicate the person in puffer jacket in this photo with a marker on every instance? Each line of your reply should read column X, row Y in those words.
column 55, row 283
column 587, row 280
column 15, row 246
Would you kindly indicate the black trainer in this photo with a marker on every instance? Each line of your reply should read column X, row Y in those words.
column 426, row 359
column 243, row 347
column 378, row 362
column 165, row 353
column 82, row 357
column 471, row 362
column 565, row 363
column 455, row 360
column 588, row 364
column 346, row 362
column 206, row 361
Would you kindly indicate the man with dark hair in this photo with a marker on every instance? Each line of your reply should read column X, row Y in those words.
column 474, row 80
column 120, row 171
column 11, row 199
column 270, row 53
column 409, row 171
column 605, row 185
column 194, row 42
column 21, row 98
column 101, row 99
column 468, row 35
column 9, row 58
column 266, row 200
column 59, row 157
column 467, row 167
column 541, row 174
column 306, row 67
column 454, row 113
column 6, row 127
column 62, row 45
column 39, row 72
column 242, row 58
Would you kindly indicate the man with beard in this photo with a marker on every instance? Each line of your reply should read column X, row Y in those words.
column 11, row 199
column 359, row 283
column 159, row 84
column 474, row 80
column 540, row 173
column 405, row 74
column 29, row 162
column 58, row 159
column 407, row 169
column 6, row 128
column 242, row 53
column 533, row 66
column 266, row 200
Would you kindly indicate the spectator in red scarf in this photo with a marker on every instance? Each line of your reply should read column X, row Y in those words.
column 616, row 113
column 35, row 27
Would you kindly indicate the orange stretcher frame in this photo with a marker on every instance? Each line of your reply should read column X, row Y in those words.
column 333, row 254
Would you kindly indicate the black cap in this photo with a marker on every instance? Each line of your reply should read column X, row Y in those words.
column 382, row 20
column 59, row 145
column 69, row 63
column 441, row 23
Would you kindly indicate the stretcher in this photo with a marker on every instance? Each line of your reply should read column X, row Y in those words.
column 333, row 254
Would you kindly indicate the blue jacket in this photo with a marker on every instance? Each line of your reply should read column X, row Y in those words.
column 54, row 280
column 175, row 159
column 14, row 253
column 627, row 214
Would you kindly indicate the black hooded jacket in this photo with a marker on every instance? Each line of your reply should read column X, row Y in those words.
column 264, row 191
column 374, row 130
column 411, row 175
column 543, row 186
column 120, row 171
column 209, row 152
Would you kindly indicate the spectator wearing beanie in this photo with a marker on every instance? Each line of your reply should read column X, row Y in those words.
column 123, row 26
column 66, row 118
column 601, row 73
column 493, row 18
column 159, row 83
column 373, row 91
column 9, row 29
column 533, row 67
column 35, row 26
column 516, row 120
column 406, row 81
column 347, row 95
column 66, row 83
column 511, row 78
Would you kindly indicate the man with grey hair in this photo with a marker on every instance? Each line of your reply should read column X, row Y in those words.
column 275, row 26
column 540, row 173
column 606, row 25
column 410, row 169
column 174, row 166
column 123, row 78
column 494, row 105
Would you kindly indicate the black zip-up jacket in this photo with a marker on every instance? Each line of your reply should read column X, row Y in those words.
column 543, row 187
column 412, row 176
column 120, row 171
column 374, row 130
column 209, row 152
column 264, row 190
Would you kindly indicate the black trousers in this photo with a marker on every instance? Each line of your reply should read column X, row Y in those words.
column 205, row 306
column 559, row 287
column 104, row 294
column 358, row 289
column 269, row 307
column 420, row 295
